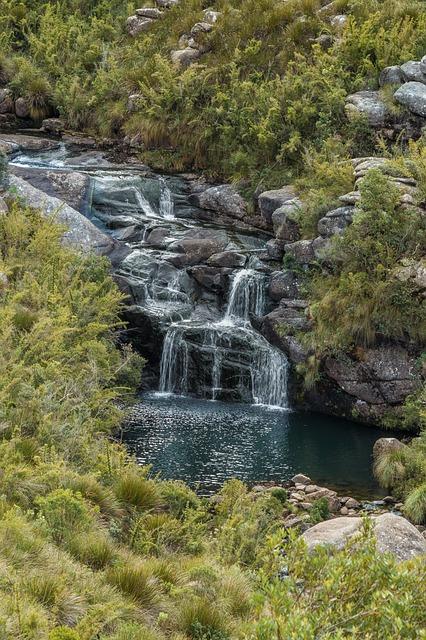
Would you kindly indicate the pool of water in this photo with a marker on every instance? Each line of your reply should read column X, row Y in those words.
column 205, row 443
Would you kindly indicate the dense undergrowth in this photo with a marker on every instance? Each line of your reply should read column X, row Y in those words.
column 94, row 548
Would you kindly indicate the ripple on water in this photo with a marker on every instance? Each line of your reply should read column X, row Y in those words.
column 205, row 443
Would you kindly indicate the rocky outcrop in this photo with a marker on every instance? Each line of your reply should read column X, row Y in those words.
column 12, row 143
column 270, row 201
column 394, row 534
column 81, row 233
column 193, row 45
column 223, row 199
column 370, row 105
column 69, row 186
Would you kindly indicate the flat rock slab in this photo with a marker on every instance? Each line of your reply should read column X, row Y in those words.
column 70, row 186
column 11, row 143
column 81, row 234
column 394, row 535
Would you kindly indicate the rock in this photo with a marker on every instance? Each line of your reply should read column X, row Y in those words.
column 149, row 12
column 413, row 72
column 275, row 249
column 3, row 206
column 195, row 250
column 321, row 248
column 301, row 479
column 4, row 282
column 231, row 259
column 321, row 492
column 394, row 535
column 351, row 198
column 284, row 284
column 307, row 506
column 53, row 125
column 166, row 4
column 157, row 237
column 413, row 96
column 136, row 25
column 9, row 143
column 133, row 102
column 351, row 503
column 211, row 16
column 363, row 165
column 201, row 27
column 81, row 234
column 185, row 57
column 284, row 221
column 296, row 522
column 22, row 109
column 270, row 201
column 414, row 272
column 223, row 199
column 7, row 104
column 336, row 221
column 311, row 488
column 302, row 251
column 384, row 375
column 368, row 104
column 70, row 186
column 423, row 65
column 213, row 278
column 295, row 495
column 339, row 22
column 391, row 75
column 383, row 446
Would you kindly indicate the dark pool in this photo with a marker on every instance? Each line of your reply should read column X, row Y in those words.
column 206, row 443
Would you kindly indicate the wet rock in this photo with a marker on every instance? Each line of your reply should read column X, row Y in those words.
column 231, row 259
column 134, row 233
column 53, row 125
column 7, row 104
column 270, row 201
column 10, row 143
column 336, row 221
column 302, row 251
column 81, row 234
column 284, row 221
column 383, row 446
column 137, row 24
column 157, row 237
column 195, row 250
column 223, row 199
column 367, row 104
column 185, row 57
column 213, row 278
column 70, row 186
column 284, row 284
column 22, row 109
column 413, row 96
column 413, row 72
column 391, row 75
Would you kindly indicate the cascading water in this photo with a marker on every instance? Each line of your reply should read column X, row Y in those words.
column 254, row 361
column 166, row 201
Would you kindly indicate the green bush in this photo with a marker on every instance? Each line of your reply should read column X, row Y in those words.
column 320, row 511
column 65, row 513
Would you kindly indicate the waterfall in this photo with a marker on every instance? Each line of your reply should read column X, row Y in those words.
column 174, row 362
column 247, row 296
column 143, row 203
column 269, row 377
column 166, row 201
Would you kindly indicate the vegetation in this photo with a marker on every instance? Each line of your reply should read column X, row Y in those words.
column 91, row 547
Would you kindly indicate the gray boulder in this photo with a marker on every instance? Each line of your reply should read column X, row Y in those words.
column 423, row 65
column 284, row 284
column 81, row 234
column 231, row 259
column 197, row 248
column 302, row 251
column 367, row 104
column 270, row 201
column 223, row 199
column 7, row 104
column 336, row 221
column 212, row 278
column 133, row 102
column 22, row 109
column 284, row 221
column 413, row 72
column 201, row 27
column 383, row 446
column 166, row 4
column 11, row 142
column 394, row 535
column 53, row 125
column 70, row 186
column 275, row 249
column 211, row 16
column 413, row 96
column 149, row 12
column 185, row 57
column 391, row 75
column 137, row 24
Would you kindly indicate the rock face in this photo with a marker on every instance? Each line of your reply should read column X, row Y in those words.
column 71, row 187
column 394, row 535
column 81, row 233
column 368, row 104
column 413, row 96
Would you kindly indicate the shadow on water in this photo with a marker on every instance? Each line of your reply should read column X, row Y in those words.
column 205, row 443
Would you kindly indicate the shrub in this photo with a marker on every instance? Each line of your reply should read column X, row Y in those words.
column 136, row 491
column 135, row 581
column 319, row 511
column 63, row 633
column 65, row 513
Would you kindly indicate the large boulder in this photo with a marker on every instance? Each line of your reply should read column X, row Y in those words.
column 22, row 109
column 284, row 284
column 413, row 72
column 393, row 533
column 212, row 278
column 231, row 259
column 13, row 142
column 196, row 247
column 137, row 24
column 413, row 96
column 391, row 75
column 185, row 57
column 149, row 12
column 56, row 126
column 383, row 446
column 383, row 375
column 270, row 201
column 80, row 234
column 223, row 199
column 7, row 104
column 70, row 186
column 285, row 220
column 367, row 104
column 336, row 221
column 414, row 272
column 301, row 251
